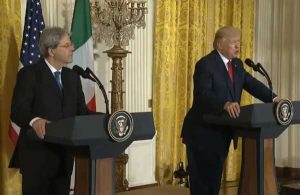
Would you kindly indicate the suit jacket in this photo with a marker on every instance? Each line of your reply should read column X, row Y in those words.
column 36, row 94
column 212, row 89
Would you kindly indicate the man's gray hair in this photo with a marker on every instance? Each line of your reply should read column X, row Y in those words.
column 50, row 38
column 225, row 32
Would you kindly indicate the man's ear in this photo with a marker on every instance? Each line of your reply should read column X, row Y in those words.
column 51, row 52
column 219, row 44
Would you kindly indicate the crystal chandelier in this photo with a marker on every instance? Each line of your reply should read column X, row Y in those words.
column 114, row 21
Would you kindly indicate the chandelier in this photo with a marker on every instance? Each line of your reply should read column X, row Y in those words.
column 114, row 21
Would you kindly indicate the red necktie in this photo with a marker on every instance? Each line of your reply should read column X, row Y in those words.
column 230, row 72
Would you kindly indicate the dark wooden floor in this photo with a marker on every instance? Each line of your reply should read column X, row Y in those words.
column 227, row 189
column 287, row 187
column 172, row 190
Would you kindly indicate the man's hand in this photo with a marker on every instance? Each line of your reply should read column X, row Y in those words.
column 39, row 127
column 233, row 109
column 277, row 99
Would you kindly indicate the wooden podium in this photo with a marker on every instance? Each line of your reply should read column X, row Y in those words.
column 258, row 127
column 86, row 137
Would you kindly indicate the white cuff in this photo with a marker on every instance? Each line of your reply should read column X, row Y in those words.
column 33, row 120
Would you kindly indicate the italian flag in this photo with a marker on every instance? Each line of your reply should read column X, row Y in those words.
column 81, row 37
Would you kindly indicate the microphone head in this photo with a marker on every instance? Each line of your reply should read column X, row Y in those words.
column 77, row 69
column 257, row 67
column 249, row 62
column 80, row 71
column 88, row 70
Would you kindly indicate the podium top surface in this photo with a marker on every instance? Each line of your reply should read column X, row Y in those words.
column 253, row 116
column 92, row 129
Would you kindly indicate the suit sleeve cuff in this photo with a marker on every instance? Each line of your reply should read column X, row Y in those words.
column 33, row 120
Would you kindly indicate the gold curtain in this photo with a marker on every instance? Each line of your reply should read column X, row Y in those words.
column 184, row 32
column 10, row 39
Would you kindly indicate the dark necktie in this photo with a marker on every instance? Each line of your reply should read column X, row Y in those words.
column 230, row 72
column 57, row 78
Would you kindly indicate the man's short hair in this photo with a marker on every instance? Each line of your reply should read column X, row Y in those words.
column 224, row 33
column 50, row 38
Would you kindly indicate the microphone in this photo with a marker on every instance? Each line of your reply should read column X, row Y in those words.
column 101, row 87
column 82, row 73
column 258, row 67
column 87, row 75
column 249, row 62
column 255, row 67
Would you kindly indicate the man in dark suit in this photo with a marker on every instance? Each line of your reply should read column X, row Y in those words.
column 219, row 79
column 46, row 92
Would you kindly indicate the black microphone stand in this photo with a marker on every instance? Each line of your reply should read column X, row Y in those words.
column 101, row 88
column 267, row 77
column 258, row 69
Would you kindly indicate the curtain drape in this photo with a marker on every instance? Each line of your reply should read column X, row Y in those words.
column 10, row 38
column 277, row 48
column 184, row 32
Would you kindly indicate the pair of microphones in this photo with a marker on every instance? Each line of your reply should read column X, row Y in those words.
column 259, row 68
column 256, row 67
column 89, row 74
column 84, row 73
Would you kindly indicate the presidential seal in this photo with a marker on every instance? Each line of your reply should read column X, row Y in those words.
column 284, row 112
column 120, row 126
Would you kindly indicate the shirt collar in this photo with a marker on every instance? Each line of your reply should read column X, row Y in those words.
column 51, row 67
column 224, row 59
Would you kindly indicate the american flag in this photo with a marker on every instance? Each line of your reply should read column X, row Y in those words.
column 33, row 27
column 30, row 54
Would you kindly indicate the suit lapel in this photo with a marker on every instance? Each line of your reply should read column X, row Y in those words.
column 68, row 86
column 65, row 81
column 235, row 79
column 51, row 80
column 229, row 83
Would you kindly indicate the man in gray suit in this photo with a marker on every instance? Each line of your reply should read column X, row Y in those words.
column 46, row 92
column 219, row 79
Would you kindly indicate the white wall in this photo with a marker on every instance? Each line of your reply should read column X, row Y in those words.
column 138, row 87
